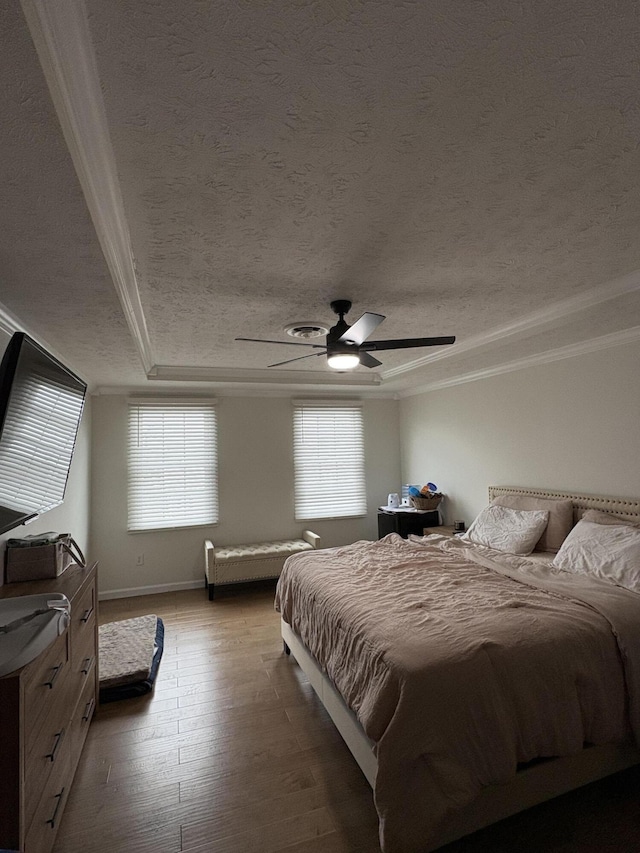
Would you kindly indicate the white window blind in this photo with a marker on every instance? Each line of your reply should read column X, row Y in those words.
column 173, row 465
column 38, row 440
column 328, row 448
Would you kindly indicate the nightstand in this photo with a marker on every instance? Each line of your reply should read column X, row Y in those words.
column 443, row 530
column 404, row 523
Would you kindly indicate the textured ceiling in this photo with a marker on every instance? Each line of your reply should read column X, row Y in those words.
column 52, row 273
column 468, row 169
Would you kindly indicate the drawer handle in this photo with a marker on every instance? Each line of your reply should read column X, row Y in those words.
column 56, row 672
column 87, row 663
column 59, row 737
column 52, row 819
column 87, row 615
column 88, row 710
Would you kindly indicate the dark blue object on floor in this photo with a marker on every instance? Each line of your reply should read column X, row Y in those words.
column 138, row 688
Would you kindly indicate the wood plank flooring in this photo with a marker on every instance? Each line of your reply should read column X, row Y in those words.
column 231, row 752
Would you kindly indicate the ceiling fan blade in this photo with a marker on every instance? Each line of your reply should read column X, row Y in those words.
column 407, row 343
column 300, row 357
column 367, row 360
column 287, row 343
column 362, row 328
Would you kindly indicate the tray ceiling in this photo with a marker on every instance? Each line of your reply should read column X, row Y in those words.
column 178, row 175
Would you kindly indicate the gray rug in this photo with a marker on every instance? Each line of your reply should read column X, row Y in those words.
column 129, row 654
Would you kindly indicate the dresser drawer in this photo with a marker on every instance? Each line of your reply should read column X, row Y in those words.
column 82, row 719
column 83, row 662
column 83, row 618
column 43, row 828
column 44, row 751
column 46, row 683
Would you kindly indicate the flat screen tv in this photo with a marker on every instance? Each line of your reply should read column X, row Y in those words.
column 41, row 403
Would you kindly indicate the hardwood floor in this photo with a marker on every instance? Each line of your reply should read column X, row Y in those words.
column 231, row 752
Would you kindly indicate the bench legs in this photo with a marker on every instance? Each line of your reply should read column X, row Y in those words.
column 286, row 648
column 210, row 587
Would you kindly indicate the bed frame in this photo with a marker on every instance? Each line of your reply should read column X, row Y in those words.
column 533, row 784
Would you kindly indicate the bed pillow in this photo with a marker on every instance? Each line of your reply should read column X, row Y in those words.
column 512, row 530
column 560, row 517
column 607, row 518
column 607, row 551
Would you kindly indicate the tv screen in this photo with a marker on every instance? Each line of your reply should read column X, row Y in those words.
column 41, row 404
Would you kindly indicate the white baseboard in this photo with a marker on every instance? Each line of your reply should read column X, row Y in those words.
column 149, row 590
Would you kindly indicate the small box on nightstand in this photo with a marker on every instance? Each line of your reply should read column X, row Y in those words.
column 443, row 530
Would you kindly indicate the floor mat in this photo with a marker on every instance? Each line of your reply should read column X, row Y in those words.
column 129, row 653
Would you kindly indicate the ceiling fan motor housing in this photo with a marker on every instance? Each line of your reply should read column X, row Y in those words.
column 334, row 345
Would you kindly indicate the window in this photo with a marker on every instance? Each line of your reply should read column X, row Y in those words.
column 173, row 464
column 328, row 449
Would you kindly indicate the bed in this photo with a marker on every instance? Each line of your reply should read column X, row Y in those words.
column 474, row 683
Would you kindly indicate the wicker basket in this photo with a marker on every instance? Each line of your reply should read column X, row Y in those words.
column 426, row 503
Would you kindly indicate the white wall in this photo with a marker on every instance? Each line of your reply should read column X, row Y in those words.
column 255, row 439
column 572, row 425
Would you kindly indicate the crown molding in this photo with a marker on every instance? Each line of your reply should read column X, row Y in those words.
column 262, row 376
column 547, row 316
column 614, row 339
column 261, row 392
column 60, row 32
column 155, row 400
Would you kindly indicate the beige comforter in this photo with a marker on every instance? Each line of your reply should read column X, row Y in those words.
column 461, row 663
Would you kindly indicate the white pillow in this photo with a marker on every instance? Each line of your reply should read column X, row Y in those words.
column 513, row 530
column 560, row 517
column 611, row 552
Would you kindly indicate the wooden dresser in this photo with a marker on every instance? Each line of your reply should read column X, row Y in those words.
column 45, row 711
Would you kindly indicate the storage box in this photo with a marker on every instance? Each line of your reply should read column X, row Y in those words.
column 37, row 562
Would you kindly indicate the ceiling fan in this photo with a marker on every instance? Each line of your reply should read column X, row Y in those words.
column 346, row 345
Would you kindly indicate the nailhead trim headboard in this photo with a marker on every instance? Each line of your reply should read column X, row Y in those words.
column 624, row 507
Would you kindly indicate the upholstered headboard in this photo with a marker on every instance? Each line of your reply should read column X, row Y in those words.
column 624, row 507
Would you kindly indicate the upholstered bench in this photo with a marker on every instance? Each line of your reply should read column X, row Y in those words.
column 256, row 561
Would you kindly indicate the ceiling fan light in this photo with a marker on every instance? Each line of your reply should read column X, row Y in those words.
column 343, row 361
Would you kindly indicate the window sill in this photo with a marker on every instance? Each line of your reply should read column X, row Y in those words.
column 180, row 527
